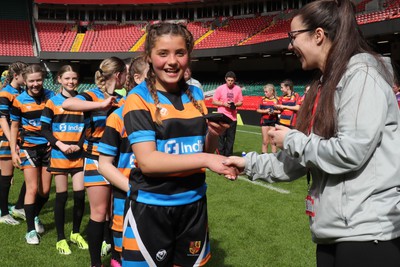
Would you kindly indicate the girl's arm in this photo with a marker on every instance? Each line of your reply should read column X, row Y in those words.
column 5, row 127
column 13, row 144
column 156, row 163
column 214, row 130
column 46, row 132
column 76, row 104
column 111, row 173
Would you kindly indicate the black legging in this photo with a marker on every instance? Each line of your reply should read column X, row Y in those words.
column 360, row 254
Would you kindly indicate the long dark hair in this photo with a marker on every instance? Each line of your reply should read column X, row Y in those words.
column 337, row 19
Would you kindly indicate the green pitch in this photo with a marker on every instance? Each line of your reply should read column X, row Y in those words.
column 251, row 224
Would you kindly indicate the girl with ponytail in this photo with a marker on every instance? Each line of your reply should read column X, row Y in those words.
column 11, row 88
column 170, row 139
column 97, row 104
column 347, row 141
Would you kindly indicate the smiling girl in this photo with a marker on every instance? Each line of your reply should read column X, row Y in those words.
column 166, row 222
column 34, row 154
column 98, row 104
column 63, row 129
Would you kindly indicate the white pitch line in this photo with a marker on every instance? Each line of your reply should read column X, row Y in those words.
column 248, row 132
column 270, row 187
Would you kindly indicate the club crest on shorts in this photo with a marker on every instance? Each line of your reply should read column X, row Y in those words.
column 194, row 247
column 161, row 254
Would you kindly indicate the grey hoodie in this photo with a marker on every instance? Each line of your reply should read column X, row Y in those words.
column 355, row 175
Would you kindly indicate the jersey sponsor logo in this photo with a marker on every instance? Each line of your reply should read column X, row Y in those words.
column 173, row 147
column 34, row 122
column 194, row 247
column 161, row 254
column 70, row 128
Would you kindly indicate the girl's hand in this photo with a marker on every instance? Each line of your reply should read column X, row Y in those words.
column 75, row 148
column 16, row 160
column 66, row 149
column 108, row 103
column 216, row 164
column 278, row 136
column 217, row 128
column 236, row 162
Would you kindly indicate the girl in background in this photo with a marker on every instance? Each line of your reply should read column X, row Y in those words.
column 269, row 116
column 63, row 129
column 98, row 104
column 288, row 104
column 12, row 87
column 116, row 158
column 165, row 222
column 34, row 154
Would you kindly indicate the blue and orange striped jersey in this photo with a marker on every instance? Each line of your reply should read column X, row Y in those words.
column 182, row 132
column 65, row 126
column 7, row 96
column 27, row 111
column 115, row 143
column 95, row 121
column 288, row 117
column 268, row 103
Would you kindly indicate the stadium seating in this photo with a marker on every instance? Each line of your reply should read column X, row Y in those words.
column 16, row 38
column 235, row 31
column 111, row 38
column 57, row 37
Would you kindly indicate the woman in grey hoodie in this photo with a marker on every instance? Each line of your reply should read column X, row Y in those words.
column 347, row 141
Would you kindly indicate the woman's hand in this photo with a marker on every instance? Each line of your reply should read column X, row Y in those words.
column 278, row 136
column 216, row 164
column 236, row 162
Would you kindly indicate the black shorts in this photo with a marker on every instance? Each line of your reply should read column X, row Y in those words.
column 166, row 235
column 267, row 122
column 35, row 157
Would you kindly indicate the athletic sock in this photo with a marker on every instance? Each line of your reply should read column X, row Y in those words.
column 30, row 216
column 21, row 197
column 79, row 208
column 59, row 214
column 5, row 185
column 40, row 201
column 107, row 232
column 95, row 233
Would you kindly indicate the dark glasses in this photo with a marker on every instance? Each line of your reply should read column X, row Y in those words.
column 293, row 34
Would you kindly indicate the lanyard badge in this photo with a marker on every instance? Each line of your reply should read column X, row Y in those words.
column 309, row 199
column 310, row 206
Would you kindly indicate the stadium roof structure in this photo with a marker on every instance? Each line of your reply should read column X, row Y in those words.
column 112, row 2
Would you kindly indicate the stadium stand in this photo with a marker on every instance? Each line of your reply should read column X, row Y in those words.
column 57, row 37
column 111, row 38
column 16, row 37
column 233, row 31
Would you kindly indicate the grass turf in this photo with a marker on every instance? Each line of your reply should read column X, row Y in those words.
column 250, row 225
